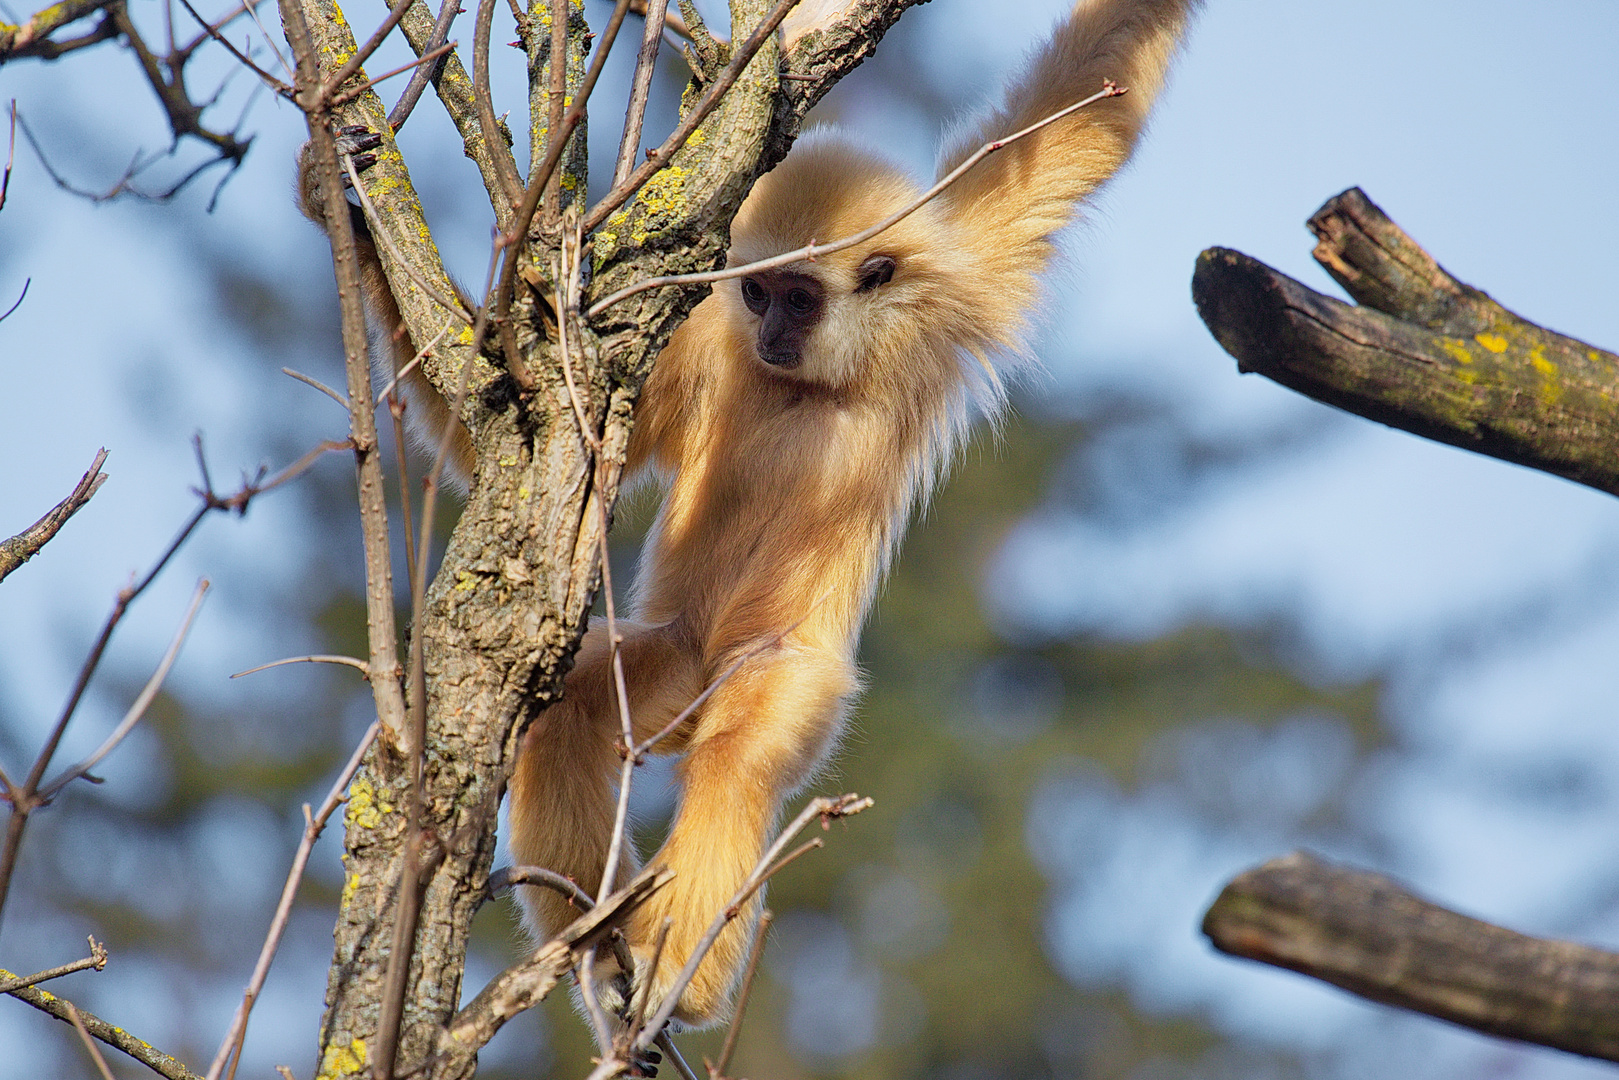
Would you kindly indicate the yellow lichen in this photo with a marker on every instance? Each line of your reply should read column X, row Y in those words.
column 341, row 1061
column 508, row 461
column 1456, row 350
column 465, row 582
column 1494, row 342
column 366, row 806
column 1537, row 360
column 351, row 884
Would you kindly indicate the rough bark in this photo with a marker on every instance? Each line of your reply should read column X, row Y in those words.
column 1425, row 353
column 1366, row 934
column 510, row 599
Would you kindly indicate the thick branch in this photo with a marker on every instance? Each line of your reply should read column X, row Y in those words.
column 1363, row 932
column 1445, row 361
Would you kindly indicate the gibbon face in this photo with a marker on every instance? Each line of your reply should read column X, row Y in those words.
column 836, row 321
column 792, row 304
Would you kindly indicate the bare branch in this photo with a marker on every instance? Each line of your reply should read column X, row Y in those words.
column 318, row 658
column 97, row 960
column 115, row 1037
column 1424, row 352
column 26, row 544
column 138, row 709
column 370, row 84
column 310, row 380
column 448, row 10
column 89, row 1043
column 1368, row 935
column 511, row 188
column 383, row 661
column 646, row 62
column 538, row 875
column 823, row 808
column 342, row 75
column 716, row 1069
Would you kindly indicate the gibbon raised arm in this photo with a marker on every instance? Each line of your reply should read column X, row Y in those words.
column 796, row 418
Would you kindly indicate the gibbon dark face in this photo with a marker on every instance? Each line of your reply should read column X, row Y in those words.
column 789, row 305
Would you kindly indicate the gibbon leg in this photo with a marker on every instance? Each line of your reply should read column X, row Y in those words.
column 757, row 740
column 563, row 788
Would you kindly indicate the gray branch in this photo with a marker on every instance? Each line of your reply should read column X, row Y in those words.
column 1424, row 352
column 1368, row 935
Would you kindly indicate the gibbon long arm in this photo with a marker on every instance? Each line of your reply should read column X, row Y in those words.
column 796, row 419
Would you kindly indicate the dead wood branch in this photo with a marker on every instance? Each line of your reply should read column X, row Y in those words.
column 1368, row 935
column 1424, row 353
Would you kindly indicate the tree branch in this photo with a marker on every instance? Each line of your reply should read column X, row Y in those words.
column 26, row 544
column 115, row 1037
column 1441, row 359
column 1368, row 935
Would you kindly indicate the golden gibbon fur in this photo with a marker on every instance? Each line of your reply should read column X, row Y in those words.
column 796, row 419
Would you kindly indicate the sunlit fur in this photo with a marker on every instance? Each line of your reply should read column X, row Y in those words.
column 788, row 490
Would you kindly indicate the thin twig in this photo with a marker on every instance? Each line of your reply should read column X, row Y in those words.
column 708, row 691
column 97, row 960
column 272, row 941
column 379, row 231
column 115, row 1037
column 26, row 544
column 823, row 808
column 448, row 10
column 657, row 159
column 812, row 251
column 537, row 875
column 530, row 201
column 332, row 85
column 241, row 58
column 716, row 1069
column 138, row 709
column 646, row 62
column 585, row 971
column 20, row 298
column 11, row 156
column 426, row 58
column 672, row 1053
column 381, row 634
column 511, row 188
column 407, row 907
column 89, row 1043
column 310, row 380
column 318, row 658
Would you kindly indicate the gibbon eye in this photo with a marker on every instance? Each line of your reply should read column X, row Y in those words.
column 755, row 296
column 875, row 271
column 800, row 302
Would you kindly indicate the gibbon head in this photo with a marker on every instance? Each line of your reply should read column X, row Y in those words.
column 841, row 319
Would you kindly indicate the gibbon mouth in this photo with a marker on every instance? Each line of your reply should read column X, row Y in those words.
column 786, row 361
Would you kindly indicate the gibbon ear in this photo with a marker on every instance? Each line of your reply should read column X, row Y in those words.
column 875, row 271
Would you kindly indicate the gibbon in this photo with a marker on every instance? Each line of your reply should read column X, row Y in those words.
column 796, row 418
